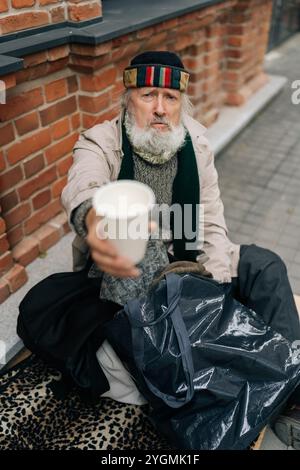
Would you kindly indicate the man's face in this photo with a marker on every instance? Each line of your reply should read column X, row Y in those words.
column 155, row 108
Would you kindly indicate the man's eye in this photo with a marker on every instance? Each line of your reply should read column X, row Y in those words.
column 172, row 98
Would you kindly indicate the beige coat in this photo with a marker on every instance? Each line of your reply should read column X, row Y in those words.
column 97, row 160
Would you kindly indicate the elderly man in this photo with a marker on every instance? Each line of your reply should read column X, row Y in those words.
column 156, row 141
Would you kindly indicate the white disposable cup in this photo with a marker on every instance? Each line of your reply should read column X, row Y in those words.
column 125, row 206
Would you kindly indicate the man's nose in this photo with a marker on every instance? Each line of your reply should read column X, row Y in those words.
column 159, row 106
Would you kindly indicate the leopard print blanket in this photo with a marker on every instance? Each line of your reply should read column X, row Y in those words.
column 31, row 417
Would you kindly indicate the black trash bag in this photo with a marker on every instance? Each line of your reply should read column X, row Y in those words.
column 212, row 371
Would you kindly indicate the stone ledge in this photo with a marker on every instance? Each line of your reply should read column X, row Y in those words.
column 119, row 18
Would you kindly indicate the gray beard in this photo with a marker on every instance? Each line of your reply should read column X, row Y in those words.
column 153, row 145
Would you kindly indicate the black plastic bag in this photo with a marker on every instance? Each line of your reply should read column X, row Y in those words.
column 213, row 372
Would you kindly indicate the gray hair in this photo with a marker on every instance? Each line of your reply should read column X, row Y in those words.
column 187, row 105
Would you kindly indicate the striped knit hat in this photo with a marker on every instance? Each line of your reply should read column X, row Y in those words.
column 156, row 69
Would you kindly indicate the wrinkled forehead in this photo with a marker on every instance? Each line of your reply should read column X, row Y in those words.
column 157, row 91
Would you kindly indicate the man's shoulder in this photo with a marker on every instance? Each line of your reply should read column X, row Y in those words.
column 197, row 132
column 194, row 127
column 106, row 135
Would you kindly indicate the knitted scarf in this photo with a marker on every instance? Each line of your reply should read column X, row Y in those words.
column 186, row 189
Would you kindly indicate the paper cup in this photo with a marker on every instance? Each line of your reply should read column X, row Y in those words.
column 125, row 206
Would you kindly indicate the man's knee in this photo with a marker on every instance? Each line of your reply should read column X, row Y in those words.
column 262, row 258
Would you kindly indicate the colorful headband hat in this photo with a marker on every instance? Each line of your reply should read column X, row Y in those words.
column 156, row 69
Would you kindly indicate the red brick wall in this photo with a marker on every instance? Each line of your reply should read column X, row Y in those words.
column 17, row 15
column 63, row 90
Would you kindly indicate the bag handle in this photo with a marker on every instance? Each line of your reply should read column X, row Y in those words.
column 132, row 308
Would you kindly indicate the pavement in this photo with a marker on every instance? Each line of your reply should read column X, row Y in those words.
column 259, row 172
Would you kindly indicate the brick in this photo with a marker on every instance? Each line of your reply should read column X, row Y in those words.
column 35, row 59
column 33, row 165
column 2, row 161
column 58, row 186
column 41, row 199
column 57, row 53
column 60, row 149
column 10, row 178
column 16, row 277
column 64, row 165
column 46, row 237
column 90, row 120
column 60, row 129
column 3, row 6
column 98, row 82
column 21, row 104
column 125, row 51
column 197, row 77
column 183, row 42
column 27, row 123
column 41, row 70
column 91, row 51
column 194, row 64
column 84, row 11
column 22, row 3
column 57, row 14
column 32, row 73
column 7, row 134
column 55, row 112
column 17, row 215
column 4, row 245
column 26, row 251
column 2, row 226
column 145, row 33
column 15, row 235
column 42, row 216
column 9, row 80
column 122, row 40
column 9, row 201
column 156, row 40
column 212, row 57
column 237, row 29
column 56, row 90
column 38, row 182
column 47, row 2
column 28, row 146
column 72, row 84
column 6, row 262
column 94, row 104
column 234, row 76
column 116, row 92
column 89, row 64
column 4, row 286
column 169, row 24
column 22, row 21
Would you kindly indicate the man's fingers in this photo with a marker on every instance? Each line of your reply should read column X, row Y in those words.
column 119, row 267
column 103, row 246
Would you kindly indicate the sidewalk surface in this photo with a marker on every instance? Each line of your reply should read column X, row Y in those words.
column 259, row 173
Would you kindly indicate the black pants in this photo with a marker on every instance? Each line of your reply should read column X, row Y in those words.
column 263, row 285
